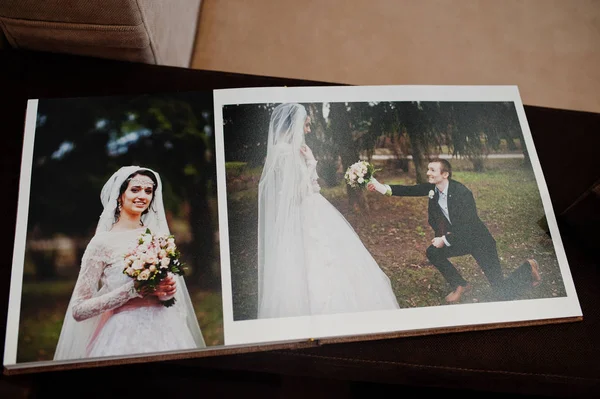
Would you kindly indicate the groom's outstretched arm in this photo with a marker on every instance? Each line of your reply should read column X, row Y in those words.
column 418, row 190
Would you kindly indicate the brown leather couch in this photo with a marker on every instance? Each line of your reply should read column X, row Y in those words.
column 149, row 31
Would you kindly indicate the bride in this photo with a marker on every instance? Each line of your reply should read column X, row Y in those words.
column 106, row 315
column 310, row 260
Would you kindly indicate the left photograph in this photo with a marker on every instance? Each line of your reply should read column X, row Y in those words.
column 116, row 248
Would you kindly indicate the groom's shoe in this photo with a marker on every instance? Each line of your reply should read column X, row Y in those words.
column 535, row 273
column 455, row 295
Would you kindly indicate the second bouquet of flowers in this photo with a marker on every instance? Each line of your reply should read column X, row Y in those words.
column 359, row 174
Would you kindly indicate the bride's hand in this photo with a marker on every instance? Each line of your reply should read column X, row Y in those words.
column 166, row 288
column 307, row 153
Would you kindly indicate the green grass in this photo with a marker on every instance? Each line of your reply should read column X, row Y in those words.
column 43, row 309
column 55, row 289
column 209, row 311
column 396, row 232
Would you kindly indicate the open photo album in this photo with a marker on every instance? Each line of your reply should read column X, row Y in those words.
column 192, row 224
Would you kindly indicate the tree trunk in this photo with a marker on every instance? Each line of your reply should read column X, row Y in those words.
column 325, row 149
column 478, row 163
column 342, row 135
column 45, row 266
column 419, row 151
column 204, row 271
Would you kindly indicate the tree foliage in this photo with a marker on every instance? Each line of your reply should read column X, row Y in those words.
column 420, row 129
column 81, row 142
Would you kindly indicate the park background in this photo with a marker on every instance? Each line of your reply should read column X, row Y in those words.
column 482, row 140
column 79, row 143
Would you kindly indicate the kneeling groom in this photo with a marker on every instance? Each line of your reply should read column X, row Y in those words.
column 459, row 231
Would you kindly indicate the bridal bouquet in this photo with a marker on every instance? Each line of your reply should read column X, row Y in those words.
column 359, row 174
column 151, row 261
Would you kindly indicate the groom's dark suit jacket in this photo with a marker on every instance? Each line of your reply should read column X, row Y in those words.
column 465, row 229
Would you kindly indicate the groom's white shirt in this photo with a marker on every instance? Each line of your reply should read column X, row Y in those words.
column 443, row 203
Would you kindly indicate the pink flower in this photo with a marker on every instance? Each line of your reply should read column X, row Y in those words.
column 164, row 262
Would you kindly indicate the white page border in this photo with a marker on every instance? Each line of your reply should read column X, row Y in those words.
column 16, row 280
column 408, row 319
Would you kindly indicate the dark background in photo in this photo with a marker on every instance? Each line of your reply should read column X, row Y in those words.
column 79, row 143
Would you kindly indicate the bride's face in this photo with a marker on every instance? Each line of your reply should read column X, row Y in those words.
column 307, row 125
column 138, row 195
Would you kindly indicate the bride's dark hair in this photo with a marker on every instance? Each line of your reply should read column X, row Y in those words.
column 143, row 172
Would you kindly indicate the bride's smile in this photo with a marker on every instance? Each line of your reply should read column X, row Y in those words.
column 138, row 196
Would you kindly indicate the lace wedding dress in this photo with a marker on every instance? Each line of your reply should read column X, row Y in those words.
column 130, row 324
column 105, row 315
column 311, row 261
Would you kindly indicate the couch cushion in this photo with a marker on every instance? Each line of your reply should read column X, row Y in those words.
column 104, row 12
column 129, row 43
column 149, row 31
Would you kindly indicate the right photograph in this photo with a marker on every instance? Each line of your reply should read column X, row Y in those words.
column 345, row 207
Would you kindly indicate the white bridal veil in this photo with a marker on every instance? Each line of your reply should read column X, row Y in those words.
column 284, row 183
column 75, row 335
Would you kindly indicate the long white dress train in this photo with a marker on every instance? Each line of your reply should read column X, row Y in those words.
column 332, row 273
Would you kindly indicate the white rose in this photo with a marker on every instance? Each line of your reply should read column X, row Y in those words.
column 171, row 241
column 147, row 238
column 164, row 262
column 152, row 268
column 130, row 271
column 151, row 259
column 361, row 180
column 144, row 275
column 162, row 253
column 431, row 194
column 137, row 265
